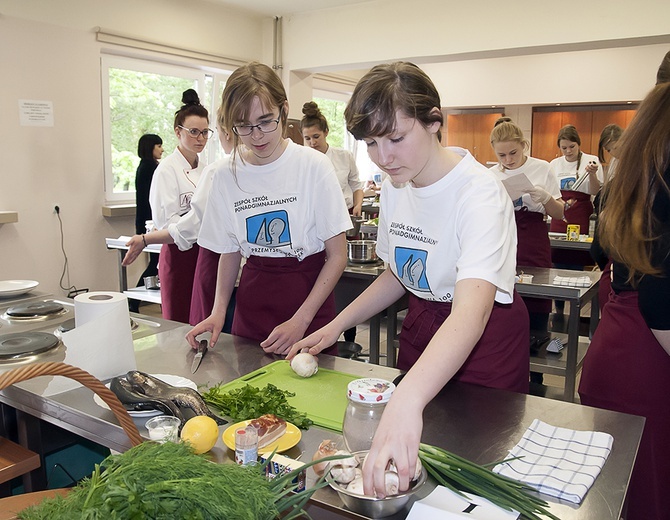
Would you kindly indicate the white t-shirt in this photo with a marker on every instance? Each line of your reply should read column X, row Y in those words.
column 567, row 175
column 287, row 208
column 347, row 173
column 539, row 173
column 185, row 231
column 172, row 188
column 460, row 227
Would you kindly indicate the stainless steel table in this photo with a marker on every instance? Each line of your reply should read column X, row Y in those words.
column 569, row 361
column 478, row 423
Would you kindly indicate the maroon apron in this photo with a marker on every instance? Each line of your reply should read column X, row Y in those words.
column 272, row 289
column 204, row 286
column 605, row 286
column 500, row 359
column 578, row 213
column 533, row 250
column 176, row 270
column 627, row 370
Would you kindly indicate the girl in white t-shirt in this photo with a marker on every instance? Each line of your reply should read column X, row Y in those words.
column 544, row 198
column 580, row 176
column 446, row 229
column 278, row 204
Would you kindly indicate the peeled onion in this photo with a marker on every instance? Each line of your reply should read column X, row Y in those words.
column 304, row 364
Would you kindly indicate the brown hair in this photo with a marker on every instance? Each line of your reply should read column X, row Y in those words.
column 247, row 82
column 610, row 135
column 569, row 133
column 191, row 107
column 627, row 224
column 663, row 74
column 313, row 117
column 385, row 89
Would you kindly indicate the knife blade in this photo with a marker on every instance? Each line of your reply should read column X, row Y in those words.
column 197, row 359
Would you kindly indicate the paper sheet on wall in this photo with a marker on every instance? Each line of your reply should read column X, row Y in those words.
column 517, row 185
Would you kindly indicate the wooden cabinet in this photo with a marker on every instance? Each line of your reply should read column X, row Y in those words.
column 588, row 121
column 471, row 131
column 293, row 131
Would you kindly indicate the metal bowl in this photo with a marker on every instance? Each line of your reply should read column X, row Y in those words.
column 362, row 251
column 373, row 507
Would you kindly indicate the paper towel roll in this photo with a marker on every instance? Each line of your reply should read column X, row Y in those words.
column 102, row 341
column 90, row 306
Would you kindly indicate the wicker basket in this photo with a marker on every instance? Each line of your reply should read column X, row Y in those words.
column 62, row 369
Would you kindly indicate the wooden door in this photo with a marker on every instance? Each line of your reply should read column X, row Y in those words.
column 602, row 118
column 471, row 131
column 459, row 131
column 543, row 138
column 293, row 131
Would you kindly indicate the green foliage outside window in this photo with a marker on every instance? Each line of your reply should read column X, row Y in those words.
column 140, row 103
column 334, row 113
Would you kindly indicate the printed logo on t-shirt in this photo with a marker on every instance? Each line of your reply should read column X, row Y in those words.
column 269, row 229
column 567, row 183
column 518, row 202
column 411, row 268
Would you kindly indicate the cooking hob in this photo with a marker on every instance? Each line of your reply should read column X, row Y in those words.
column 34, row 313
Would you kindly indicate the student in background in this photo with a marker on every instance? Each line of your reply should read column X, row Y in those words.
column 150, row 151
column 184, row 233
column 277, row 204
column 446, row 227
column 608, row 140
column 533, row 246
column 172, row 187
column 314, row 128
column 627, row 365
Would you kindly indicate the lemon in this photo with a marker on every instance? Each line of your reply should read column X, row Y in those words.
column 201, row 432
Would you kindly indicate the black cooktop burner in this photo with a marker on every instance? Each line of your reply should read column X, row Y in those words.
column 22, row 344
column 35, row 310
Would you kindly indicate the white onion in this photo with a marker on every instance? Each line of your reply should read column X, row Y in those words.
column 305, row 365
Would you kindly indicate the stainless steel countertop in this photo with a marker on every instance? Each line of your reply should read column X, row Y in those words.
column 478, row 423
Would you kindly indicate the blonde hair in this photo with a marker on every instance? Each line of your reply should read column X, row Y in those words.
column 508, row 132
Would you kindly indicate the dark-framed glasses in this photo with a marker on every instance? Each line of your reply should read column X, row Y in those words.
column 195, row 132
column 266, row 127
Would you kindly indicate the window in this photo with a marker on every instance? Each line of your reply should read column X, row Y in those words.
column 141, row 97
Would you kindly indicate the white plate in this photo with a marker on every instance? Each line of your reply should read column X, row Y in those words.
column 166, row 378
column 16, row 287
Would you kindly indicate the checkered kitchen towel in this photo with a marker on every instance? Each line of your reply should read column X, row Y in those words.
column 572, row 281
column 559, row 462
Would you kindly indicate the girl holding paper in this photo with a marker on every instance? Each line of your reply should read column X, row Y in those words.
column 543, row 197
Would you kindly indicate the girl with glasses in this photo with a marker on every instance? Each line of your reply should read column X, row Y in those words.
column 278, row 205
column 446, row 229
column 184, row 233
column 172, row 187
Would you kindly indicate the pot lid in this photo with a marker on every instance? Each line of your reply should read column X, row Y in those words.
column 21, row 344
column 32, row 310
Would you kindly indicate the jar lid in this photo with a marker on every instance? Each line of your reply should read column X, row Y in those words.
column 370, row 390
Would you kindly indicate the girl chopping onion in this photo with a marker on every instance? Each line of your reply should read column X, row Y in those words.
column 279, row 205
column 447, row 231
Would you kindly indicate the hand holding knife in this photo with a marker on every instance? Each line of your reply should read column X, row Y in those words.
column 197, row 359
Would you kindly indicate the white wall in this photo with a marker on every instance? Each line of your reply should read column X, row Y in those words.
column 48, row 52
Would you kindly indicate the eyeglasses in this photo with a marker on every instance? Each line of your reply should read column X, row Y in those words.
column 265, row 127
column 195, row 133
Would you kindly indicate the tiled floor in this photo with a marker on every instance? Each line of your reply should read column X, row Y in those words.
column 555, row 383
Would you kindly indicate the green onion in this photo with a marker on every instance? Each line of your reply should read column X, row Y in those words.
column 460, row 475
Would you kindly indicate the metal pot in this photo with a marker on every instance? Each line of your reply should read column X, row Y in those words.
column 356, row 222
column 362, row 251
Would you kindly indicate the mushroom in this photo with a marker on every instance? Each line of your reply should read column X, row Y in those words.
column 304, row 364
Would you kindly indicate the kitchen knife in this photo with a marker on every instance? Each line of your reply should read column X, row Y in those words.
column 197, row 359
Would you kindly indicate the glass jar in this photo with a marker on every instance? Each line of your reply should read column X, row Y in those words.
column 367, row 400
column 246, row 445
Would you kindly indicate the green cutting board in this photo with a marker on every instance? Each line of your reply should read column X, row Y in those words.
column 322, row 397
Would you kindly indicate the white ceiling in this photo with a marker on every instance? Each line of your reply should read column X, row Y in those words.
column 286, row 7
